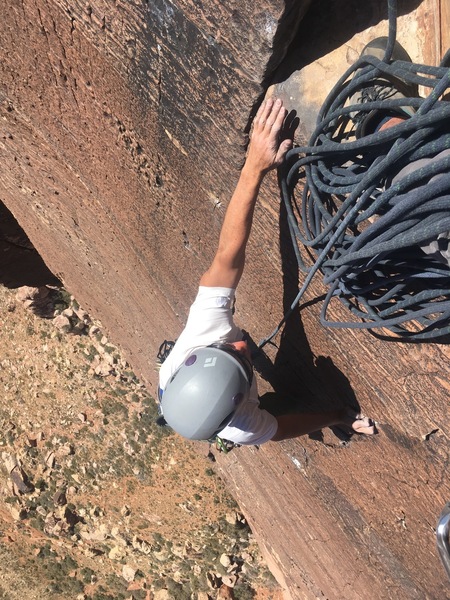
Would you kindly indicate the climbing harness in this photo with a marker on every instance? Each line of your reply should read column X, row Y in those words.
column 164, row 350
column 364, row 233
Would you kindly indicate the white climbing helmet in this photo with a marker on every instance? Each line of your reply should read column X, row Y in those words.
column 204, row 392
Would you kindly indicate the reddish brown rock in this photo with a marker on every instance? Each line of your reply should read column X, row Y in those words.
column 121, row 136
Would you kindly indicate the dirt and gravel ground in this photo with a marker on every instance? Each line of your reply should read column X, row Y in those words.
column 98, row 502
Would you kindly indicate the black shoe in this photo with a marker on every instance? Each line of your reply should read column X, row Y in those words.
column 161, row 421
column 383, row 87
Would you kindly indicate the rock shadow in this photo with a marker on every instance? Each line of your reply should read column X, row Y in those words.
column 327, row 25
column 20, row 263
column 302, row 381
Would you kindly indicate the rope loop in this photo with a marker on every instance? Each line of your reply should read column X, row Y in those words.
column 374, row 211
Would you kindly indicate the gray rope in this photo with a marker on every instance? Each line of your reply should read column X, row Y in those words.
column 365, row 232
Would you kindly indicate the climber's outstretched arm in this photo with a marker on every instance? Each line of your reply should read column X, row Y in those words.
column 265, row 153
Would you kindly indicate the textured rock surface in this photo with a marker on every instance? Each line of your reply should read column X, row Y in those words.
column 122, row 133
column 121, row 136
column 332, row 36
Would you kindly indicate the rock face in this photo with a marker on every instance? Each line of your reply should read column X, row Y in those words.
column 121, row 135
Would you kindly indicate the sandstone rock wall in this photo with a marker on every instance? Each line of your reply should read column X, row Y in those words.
column 121, row 135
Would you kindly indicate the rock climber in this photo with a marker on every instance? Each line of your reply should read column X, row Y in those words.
column 207, row 387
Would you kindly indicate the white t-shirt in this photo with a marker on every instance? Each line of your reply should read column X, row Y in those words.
column 210, row 321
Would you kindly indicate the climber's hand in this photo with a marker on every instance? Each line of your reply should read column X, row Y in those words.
column 266, row 150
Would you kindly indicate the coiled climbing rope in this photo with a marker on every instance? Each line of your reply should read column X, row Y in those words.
column 365, row 232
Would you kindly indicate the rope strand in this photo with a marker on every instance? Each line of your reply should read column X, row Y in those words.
column 371, row 232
